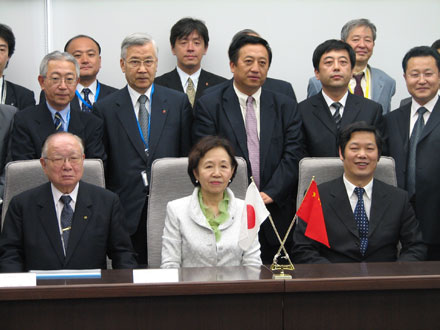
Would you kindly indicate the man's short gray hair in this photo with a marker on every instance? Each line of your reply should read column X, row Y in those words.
column 54, row 135
column 346, row 29
column 57, row 56
column 137, row 39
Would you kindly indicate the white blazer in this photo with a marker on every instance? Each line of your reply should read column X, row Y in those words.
column 189, row 241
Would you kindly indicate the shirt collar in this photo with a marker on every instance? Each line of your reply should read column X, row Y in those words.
column 329, row 101
column 428, row 106
column 184, row 77
column 350, row 187
column 134, row 95
column 64, row 113
column 92, row 87
column 242, row 97
column 57, row 194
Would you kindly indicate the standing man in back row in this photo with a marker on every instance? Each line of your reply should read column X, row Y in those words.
column 142, row 122
column 189, row 43
column 263, row 127
column 87, row 52
column 372, row 83
column 414, row 142
column 10, row 93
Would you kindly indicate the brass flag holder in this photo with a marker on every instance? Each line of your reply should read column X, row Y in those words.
column 281, row 268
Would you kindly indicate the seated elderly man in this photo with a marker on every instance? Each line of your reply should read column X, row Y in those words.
column 65, row 223
column 365, row 218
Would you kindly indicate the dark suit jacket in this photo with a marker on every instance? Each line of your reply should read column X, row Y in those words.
column 319, row 128
column 391, row 220
column 279, row 86
column 428, row 164
column 170, row 136
column 19, row 96
column 31, row 236
column 33, row 125
column 219, row 113
column 271, row 84
column 172, row 80
column 75, row 103
column 7, row 113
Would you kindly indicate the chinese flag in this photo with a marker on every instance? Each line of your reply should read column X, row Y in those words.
column 310, row 211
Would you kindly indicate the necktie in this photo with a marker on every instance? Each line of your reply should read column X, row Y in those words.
column 253, row 142
column 190, row 91
column 84, row 107
column 412, row 152
column 58, row 121
column 337, row 115
column 361, row 219
column 143, row 116
column 66, row 219
column 358, row 88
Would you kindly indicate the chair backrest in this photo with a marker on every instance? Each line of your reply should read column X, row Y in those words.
column 22, row 175
column 328, row 168
column 169, row 181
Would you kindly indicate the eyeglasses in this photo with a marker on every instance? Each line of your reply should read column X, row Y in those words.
column 137, row 63
column 58, row 161
column 70, row 81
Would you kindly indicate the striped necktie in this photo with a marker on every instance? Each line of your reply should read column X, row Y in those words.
column 337, row 115
column 58, row 121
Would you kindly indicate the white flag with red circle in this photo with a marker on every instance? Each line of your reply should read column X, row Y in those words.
column 254, row 214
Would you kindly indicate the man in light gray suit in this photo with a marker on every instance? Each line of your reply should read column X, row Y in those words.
column 369, row 82
column 6, row 118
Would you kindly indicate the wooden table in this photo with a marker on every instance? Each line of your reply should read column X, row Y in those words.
column 336, row 296
column 364, row 296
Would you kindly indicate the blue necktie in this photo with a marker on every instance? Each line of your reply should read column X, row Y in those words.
column 414, row 139
column 58, row 122
column 361, row 219
column 66, row 219
column 84, row 107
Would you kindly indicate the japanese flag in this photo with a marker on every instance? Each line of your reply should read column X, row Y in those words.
column 254, row 214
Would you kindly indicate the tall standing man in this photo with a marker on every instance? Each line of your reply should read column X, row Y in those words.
column 264, row 127
column 10, row 93
column 326, row 113
column 414, row 141
column 142, row 122
column 58, row 78
column 189, row 43
column 366, row 81
column 87, row 51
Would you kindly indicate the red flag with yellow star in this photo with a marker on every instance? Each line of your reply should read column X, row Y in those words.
column 310, row 211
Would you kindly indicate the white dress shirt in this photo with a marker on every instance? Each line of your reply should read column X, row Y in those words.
column 59, row 205
column 353, row 197
column 329, row 102
column 242, row 99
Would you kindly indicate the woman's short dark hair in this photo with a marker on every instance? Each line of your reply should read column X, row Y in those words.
column 200, row 149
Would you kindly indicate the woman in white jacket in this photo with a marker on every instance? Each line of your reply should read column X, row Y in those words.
column 203, row 229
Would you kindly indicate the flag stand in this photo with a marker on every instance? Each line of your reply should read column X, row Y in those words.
column 275, row 265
